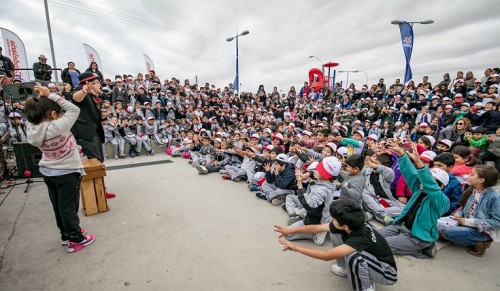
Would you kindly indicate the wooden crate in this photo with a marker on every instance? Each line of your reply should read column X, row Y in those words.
column 92, row 188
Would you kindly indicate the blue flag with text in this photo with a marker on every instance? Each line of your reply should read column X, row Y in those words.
column 407, row 39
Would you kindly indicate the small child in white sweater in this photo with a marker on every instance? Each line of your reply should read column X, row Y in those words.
column 49, row 129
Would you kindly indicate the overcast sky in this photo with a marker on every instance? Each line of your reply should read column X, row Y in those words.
column 188, row 38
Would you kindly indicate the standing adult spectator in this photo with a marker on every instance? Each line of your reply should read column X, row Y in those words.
column 6, row 69
column 88, row 129
column 469, row 80
column 398, row 87
column 381, row 86
column 94, row 68
column 70, row 75
column 42, row 71
column 425, row 83
column 487, row 73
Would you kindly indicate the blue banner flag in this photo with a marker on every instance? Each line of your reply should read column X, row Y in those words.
column 407, row 39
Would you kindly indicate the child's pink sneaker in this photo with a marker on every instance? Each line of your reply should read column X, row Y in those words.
column 74, row 247
column 65, row 242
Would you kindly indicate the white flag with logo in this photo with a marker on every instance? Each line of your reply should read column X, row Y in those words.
column 93, row 56
column 14, row 49
column 149, row 63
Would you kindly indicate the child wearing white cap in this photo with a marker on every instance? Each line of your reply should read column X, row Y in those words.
column 280, row 182
column 319, row 193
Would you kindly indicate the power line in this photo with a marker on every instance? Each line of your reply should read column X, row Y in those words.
column 170, row 28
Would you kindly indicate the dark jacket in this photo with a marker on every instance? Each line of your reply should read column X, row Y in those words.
column 6, row 66
column 98, row 73
column 42, row 72
column 66, row 77
column 284, row 180
column 88, row 123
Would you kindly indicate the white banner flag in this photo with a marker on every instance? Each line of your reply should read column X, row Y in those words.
column 14, row 49
column 149, row 63
column 93, row 56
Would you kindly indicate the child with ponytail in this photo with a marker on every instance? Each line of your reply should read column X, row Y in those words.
column 49, row 129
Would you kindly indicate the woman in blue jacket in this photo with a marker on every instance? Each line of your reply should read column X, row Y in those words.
column 479, row 221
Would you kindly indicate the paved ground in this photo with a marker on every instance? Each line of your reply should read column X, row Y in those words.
column 170, row 229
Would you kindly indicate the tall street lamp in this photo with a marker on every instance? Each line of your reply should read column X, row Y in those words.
column 322, row 66
column 398, row 22
column 406, row 29
column 236, row 83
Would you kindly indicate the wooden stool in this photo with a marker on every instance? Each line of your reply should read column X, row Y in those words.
column 92, row 188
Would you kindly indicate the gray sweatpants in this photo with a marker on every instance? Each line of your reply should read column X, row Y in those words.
column 364, row 269
column 297, row 236
column 272, row 191
column 235, row 172
column 293, row 206
column 380, row 211
column 399, row 238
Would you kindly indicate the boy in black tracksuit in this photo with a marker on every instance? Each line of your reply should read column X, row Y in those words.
column 362, row 254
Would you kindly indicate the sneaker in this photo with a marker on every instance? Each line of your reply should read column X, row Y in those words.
column 151, row 152
column 254, row 188
column 368, row 216
column 293, row 219
column 278, row 200
column 222, row 171
column 371, row 288
column 202, row 170
column 110, row 195
column 121, row 154
column 339, row 271
column 319, row 238
column 74, row 247
column 226, row 177
column 190, row 162
column 116, row 157
column 430, row 251
column 65, row 242
column 283, row 206
column 261, row 195
column 194, row 164
column 388, row 220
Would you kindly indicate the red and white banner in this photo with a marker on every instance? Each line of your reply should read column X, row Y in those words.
column 93, row 56
column 149, row 63
column 14, row 49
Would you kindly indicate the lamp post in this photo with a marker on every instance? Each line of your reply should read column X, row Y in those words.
column 398, row 22
column 322, row 67
column 407, row 39
column 236, row 83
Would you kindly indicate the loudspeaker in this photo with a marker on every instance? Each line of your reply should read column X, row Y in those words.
column 19, row 91
column 27, row 158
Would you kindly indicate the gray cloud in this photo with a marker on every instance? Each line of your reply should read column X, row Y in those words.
column 187, row 38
